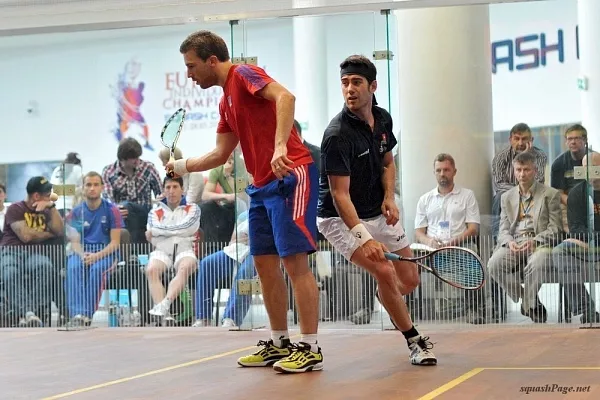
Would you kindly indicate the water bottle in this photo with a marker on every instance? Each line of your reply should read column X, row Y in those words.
column 112, row 316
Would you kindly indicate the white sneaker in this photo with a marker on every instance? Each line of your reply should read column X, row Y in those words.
column 228, row 323
column 420, row 351
column 162, row 309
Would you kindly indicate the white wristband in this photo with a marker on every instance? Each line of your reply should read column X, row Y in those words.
column 361, row 233
column 180, row 168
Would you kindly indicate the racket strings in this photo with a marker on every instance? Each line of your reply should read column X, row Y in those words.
column 460, row 268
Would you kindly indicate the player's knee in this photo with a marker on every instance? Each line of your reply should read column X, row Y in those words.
column 384, row 273
column 410, row 281
column 296, row 266
column 297, row 271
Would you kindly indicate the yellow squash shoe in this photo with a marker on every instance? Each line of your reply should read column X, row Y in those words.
column 302, row 359
column 267, row 355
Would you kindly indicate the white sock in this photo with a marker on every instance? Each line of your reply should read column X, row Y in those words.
column 312, row 340
column 166, row 301
column 278, row 336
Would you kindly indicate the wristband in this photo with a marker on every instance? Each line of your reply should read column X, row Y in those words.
column 180, row 168
column 361, row 233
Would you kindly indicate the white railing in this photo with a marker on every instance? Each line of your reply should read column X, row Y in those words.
column 45, row 281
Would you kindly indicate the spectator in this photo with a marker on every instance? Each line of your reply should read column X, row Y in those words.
column 26, row 273
column 572, row 257
column 217, row 270
column 315, row 151
column 96, row 225
column 172, row 225
column 129, row 183
column 561, row 175
column 2, row 208
column 503, row 176
column 193, row 184
column 69, row 172
column 232, row 183
column 449, row 216
column 530, row 224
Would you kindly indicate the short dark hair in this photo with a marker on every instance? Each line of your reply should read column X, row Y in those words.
column 298, row 127
column 205, row 44
column 169, row 179
column 577, row 128
column 93, row 174
column 521, row 127
column 525, row 157
column 73, row 158
column 362, row 61
column 129, row 148
column 444, row 157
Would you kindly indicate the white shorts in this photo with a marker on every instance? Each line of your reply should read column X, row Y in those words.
column 340, row 237
column 168, row 258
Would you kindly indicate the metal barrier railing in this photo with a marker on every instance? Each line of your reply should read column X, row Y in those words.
column 48, row 286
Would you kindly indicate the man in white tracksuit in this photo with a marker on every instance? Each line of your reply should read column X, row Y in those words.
column 172, row 225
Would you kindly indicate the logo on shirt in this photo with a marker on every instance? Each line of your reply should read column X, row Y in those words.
column 35, row 221
column 364, row 153
column 383, row 144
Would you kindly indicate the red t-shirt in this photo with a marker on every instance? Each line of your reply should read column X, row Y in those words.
column 253, row 119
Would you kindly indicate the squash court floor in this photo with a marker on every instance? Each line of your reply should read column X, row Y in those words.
column 192, row 363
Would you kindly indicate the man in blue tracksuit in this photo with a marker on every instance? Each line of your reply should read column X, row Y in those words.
column 94, row 228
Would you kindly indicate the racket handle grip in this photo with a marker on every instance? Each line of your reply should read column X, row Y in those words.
column 170, row 172
column 392, row 256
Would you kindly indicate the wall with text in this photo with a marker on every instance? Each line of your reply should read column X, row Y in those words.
column 76, row 92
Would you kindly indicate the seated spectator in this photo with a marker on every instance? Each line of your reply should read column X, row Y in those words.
column 26, row 272
column 172, row 225
column 2, row 208
column 561, row 173
column 69, row 172
column 503, row 177
column 449, row 216
column 572, row 257
column 217, row 270
column 315, row 151
column 193, row 183
column 96, row 225
column 232, row 183
column 530, row 224
column 129, row 183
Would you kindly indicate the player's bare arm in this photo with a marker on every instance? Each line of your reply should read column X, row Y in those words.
column 340, row 192
column 388, row 179
column 226, row 143
column 285, row 103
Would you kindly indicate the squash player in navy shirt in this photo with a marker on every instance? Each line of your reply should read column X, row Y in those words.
column 357, row 213
column 95, row 227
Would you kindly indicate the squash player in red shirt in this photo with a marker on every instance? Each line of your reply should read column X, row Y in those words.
column 258, row 112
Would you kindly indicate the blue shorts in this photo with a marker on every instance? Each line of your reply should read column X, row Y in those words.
column 283, row 214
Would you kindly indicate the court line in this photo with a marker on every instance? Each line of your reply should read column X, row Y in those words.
column 150, row 373
column 543, row 368
column 453, row 383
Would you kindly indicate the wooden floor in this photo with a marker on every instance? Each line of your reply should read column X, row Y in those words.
column 178, row 363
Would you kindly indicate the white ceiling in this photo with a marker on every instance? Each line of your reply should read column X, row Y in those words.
column 18, row 17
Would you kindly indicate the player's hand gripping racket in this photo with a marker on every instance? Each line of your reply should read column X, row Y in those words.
column 170, row 134
column 457, row 266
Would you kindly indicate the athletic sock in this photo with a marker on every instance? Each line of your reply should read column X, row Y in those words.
column 312, row 340
column 279, row 337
